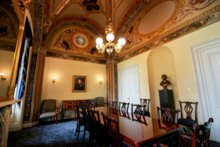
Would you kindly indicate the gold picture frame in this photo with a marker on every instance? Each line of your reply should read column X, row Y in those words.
column 79, row 83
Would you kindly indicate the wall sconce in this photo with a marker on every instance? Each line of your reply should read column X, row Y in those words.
column 54, row 80
column 2, row 77
column 100, row 82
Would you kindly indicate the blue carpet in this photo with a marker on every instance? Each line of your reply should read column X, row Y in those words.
column 52, row 135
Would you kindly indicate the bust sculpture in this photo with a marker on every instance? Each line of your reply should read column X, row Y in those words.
column 165, row 82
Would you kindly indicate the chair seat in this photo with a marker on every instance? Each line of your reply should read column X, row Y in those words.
column 186, row 122
column 48, row 114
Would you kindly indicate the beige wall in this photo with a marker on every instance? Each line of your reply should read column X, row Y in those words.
column 6, row 59
column 182, row 62
column 64, row 70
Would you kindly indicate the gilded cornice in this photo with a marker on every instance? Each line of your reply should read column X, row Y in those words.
column 207, row 18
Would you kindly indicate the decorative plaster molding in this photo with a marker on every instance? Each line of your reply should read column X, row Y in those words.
column 39, row 49
column 211, row 17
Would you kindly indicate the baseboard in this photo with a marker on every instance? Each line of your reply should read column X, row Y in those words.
column 27, row 125
column 14, row 129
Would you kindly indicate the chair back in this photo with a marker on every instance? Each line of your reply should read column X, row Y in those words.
column 112, row 104
column 100, row 101
column 48, row 105
column 201, row 134
column 145, row 102
column 111, row 125
column 91, row 103
column 187, row 108
column 139, row 118
column 123, row 106
column 139, row 109
column 86, row 118
column 166, row 114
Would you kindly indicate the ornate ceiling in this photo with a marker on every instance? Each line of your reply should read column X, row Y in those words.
column 144, row 23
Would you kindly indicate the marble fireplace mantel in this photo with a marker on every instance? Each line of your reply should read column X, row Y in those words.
column 5, row 109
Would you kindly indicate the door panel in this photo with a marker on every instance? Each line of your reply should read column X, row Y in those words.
column 129, row 85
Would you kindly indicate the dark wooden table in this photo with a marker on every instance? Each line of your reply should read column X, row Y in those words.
column 140, row 131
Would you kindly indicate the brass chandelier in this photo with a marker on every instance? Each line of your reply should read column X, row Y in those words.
column 109, row 46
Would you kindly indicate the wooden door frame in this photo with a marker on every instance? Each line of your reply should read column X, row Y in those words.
column 202, row 92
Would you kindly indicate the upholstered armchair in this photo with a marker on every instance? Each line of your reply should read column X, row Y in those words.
column 48, row 109
column 99, row 101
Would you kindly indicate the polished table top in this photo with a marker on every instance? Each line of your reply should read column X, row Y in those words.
column 137, row 129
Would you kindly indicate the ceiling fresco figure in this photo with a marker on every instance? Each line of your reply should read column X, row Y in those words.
column 6, row 26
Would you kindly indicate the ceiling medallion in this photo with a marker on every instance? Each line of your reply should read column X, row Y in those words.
column 90, row 5
column 80, row 40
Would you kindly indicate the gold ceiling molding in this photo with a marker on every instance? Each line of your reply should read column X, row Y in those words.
column 178, row 5
column 162, row 37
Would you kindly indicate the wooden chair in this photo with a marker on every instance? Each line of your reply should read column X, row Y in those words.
column 112, row 104
column 139, row 109
column 201, row 134
column 87, row 122
column 123, row 106
column 167, row 116
column 188, row 121
column 97, row 130
column 80, row 120
column 112, row 126
column 48, row 109
column 146, row 102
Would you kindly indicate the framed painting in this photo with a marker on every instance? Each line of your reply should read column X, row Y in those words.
column 79, row 83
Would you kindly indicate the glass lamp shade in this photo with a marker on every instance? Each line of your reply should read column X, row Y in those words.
column 99, row 41
column 110, row 37
column 121, row 41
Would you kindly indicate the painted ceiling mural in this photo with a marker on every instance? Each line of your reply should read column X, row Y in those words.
column 8, row 28
column 75, row 41
column 135, row 24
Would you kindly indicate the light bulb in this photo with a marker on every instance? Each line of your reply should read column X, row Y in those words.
column 54, row 77
column 121, row 41
column 99, row 41
column 110, row 37
column 2, row 74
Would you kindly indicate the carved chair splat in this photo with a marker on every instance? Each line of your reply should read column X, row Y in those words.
column 111, row 125
column 166, row 116
column 188, row 109
column 139, row 109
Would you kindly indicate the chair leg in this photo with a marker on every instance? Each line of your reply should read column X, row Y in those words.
column 84, row 134
column 56, row 119
column 76, row 129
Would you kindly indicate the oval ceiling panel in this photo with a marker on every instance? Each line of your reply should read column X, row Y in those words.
column 156, row 17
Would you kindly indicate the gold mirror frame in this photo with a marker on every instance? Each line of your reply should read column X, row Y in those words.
column 11, row 87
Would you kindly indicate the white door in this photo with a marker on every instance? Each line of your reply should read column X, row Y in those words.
column 129, row 85
column 207, row 71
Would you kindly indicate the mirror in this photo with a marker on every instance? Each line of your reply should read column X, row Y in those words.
column 9, row 27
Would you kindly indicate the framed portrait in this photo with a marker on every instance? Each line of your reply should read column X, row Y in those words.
column 79, row 83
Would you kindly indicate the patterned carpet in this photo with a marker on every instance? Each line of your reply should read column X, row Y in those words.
column 52, row 135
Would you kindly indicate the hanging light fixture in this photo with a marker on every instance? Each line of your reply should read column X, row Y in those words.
column 109, row 46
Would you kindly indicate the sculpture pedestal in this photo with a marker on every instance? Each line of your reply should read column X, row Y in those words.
column 166, row 99
column 5, row 109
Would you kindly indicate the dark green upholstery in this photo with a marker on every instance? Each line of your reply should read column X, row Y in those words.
column 99, row 101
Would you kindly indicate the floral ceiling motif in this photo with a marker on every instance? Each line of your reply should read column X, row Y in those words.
column 76, row 40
